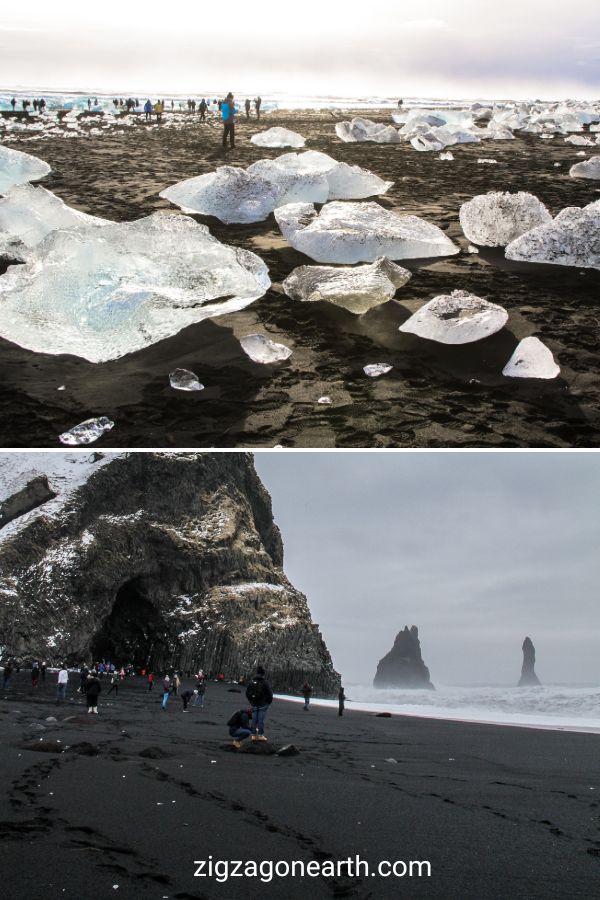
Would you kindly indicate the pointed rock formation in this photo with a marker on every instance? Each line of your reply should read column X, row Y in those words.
column 160, row 559
column 403, row 666
column 528, row 677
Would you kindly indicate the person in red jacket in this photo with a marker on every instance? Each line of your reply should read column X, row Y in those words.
column 150, row 681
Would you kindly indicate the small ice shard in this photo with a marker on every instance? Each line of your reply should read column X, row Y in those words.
column 325, row 401
column 357, row 288
column 447, row 156
column 496, row 219
column 86, row 432
column 61, row 388
column 17, row 168
column 487, row 162
column 184, row 380
column 571, row 239
column 472, row 249
column 588, row 169
column 374, row 370
column 262, row 349
column 100, row 293
column 456, row 318
column 531, row 359
column 359, row 232
column 278, row 137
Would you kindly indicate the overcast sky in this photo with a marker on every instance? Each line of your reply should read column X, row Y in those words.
column 518, row 48
column 476, row 549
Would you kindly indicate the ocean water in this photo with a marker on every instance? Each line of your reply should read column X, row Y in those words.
column 563, row 707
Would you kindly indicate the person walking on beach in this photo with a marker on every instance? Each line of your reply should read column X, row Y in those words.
column 200, row 692
column 260, row 697
column 247, row 107
column 341, row 701
column 13, row 103
column 43, row 671
column 257, row 104
column 227, row 115
column 150, row 681
column 7, row 675
column 202, row 107
column 306, row 692
column 61, row 684
column 92, row 692
column 42, row 105
column 114, row 684
column 175, row 683
column 35, row 674
column 166, row 691
column 83, row 674
column 148, row 110
column 239, row 726
column 186, row 696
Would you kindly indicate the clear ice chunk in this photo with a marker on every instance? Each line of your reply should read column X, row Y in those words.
column 86, row 432
column 184, row 380
column 262, row 349
column 447, row 156
column 588, row 169
column 360, row 130
column 28, row 214
column 100, row 293
column 571, row 239
column 456, row 318
column 496, row 219
column 357, row 289
column 277, row 137
column 17, row 168
column 359, row 232
column 531, row 359
column 325, row 401
column 374, row 370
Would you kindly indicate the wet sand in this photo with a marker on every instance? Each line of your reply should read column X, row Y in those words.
column 435, row 396
column 133, row 796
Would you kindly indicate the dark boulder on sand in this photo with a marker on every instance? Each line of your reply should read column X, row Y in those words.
column 528, row 677
column 403, row 666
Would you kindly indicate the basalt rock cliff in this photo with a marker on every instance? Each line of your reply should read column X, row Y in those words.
column 160, row 559
column 528, row 677
column 403, row 666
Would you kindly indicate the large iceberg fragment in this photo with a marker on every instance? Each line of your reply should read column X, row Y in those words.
column 250, row 195
column 588, row 169
column 28, row 214
column 361, row 130
column 357, row 289
column 496, row 219
column 278, row 137
column 262, row 349
column 17, row 168
column 359, row 232
column 100, row 293
column 456, row 318
column 571, row 239
column 86, row 432
column 531, row 359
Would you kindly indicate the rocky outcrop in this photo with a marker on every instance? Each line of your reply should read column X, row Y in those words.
column 32, row 495
column 160, row 559
column 403, row 666
column 528, row 677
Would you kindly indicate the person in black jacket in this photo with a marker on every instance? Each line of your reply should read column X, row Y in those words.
column 92, row 690
column 341, row 701
column 260, row 696
column 239, row 726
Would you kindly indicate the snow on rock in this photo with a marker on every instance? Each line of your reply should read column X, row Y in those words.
column 28, row 214
column 87, row 432
column 102, row 293
column 457, row 318
column 356, row 289
column 496, row 219
column 588, row 169
column 360, row 130
column 17, row 168
column 359, row 232
column 184, row 380
column 571, row 239
column 278, row 137
column 531, row 359
column 263, row 350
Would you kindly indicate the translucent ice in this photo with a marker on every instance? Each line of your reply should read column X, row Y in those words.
column 578, row 140
column 359, row 232
column 230, row 194
column 571, row 239
column 357, row 288
column 17, row 168
column 278, row 137
column 28, row 214
column 184, row 380
column 374, row 370
column 100, row 293
column 531, row 359
column 457, row 318
column 86, row 432
column 588, row 169
column 496, row 219
column 447, row 156
column 361, row 130
column 344, row 182
column 262, row 349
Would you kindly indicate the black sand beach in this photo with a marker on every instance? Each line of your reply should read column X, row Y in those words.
column 138, row 794
column 435, row 396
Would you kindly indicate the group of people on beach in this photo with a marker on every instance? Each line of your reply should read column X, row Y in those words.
column 39, row 105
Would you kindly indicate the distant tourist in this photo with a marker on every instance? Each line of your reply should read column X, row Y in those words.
column 35, row 673
column 306, row 692
column 114, row 684
column 148, row 110
column 8, row 670
column 186, row 696
column 175, row 683
column 260, row 697
column 42, row 105
column 202, row 107
column 257, row 104
column 43, row 671
column 239, row 726
column 89, row 103
column 341, row 701
column 92, row 692
column 227, row 115
column 400, row 104
column 200, row 692
column 247, row 108
column 83, row 674
column 150, row 680
column 13, row 103
column 166, row 691
column 61, row 684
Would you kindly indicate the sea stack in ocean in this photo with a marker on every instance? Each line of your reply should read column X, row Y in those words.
column 403, row 666
column 158, row 559
column 528, row 677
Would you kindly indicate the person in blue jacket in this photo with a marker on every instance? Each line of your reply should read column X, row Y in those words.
column 148, row 110
column 227, row 115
